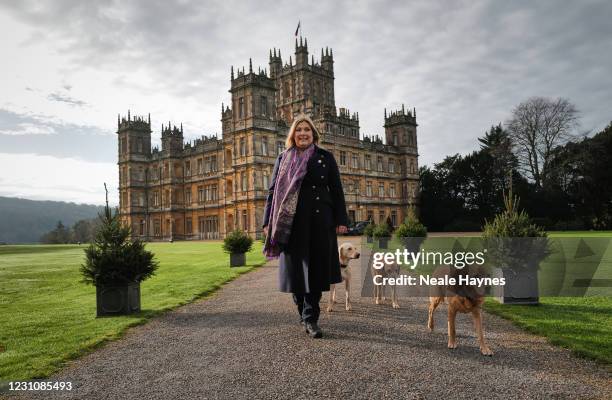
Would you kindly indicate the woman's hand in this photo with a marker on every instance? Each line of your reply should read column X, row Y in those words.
column 341, row 229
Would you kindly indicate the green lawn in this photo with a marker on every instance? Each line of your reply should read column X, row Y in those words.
column 583, row 325
column 48, row 316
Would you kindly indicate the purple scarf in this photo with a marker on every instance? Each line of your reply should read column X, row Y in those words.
column 291, row 172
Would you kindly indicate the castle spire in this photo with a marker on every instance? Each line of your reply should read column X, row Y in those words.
column 306, row 42
column 149, row 120
column 250, row 65
column 385, row 112
column 321, row 53
column 222, row 108
column 301, row 41
column 181, row 128
column 128, row 115
column 270, row 54
column 402, row 108
column 414, row 112
column 290, row 61
column 296, row 46
column 118, row 121
column 232, row 72
column 312, row 59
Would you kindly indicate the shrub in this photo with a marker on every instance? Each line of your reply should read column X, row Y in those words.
column 505, row 238
column 369, row 229
column 411, row 227
column 381, row 230
column 237, row 242
column 112, row 259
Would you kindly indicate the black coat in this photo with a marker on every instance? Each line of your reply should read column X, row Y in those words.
column 309, row 262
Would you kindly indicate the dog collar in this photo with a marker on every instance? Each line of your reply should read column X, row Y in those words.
column 343, row 266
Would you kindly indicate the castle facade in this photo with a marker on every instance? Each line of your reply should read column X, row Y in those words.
column 208, row 187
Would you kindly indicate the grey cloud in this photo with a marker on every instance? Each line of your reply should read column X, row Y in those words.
column 63, row 98
column 464, row 65
column 26, row 133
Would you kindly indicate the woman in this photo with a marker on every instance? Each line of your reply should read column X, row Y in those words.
column 304, row 211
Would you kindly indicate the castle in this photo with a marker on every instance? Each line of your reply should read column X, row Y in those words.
column 208, row 187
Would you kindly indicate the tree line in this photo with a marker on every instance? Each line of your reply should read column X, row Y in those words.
column 82, row 231
column 564, row 179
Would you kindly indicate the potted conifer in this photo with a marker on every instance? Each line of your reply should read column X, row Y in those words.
column 116, row 265
column 237, row 244
column 411, row 232
column 382, row 232
column 516, row 247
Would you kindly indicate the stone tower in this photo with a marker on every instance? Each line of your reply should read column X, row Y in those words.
column 134, row 150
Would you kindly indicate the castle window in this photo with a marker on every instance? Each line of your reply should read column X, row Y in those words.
column 351, row 187
column 241, row 107
column 368, row 162
column 200, row 166
column 369, row 189
column 245, row 220
column 266, row 180
column 157, row 227
column 264, row 105
column 381, row 216
column 264, row 146
column 354, row 161
column 379, row 164
column 207, row 165
column 229, row 188
column 370, row 216
column 139, row 145
column 166, row 170
column 392, row 190
column 188, row 225
column 342, row 157
column 412, row 168
column 188, row 197
column 381, row 190
column 187, row 168
column 392, row 166
column 213, row 163
column 123, row 145
column 395, row 143
column 280, row 146
column 156, row 199
column 394, row 218
column 242, row 147
column 166, row 199
column 243, row 181
column 214, row 193
column 201, row 195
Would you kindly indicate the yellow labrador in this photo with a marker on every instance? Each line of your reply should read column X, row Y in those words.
column 346, row 253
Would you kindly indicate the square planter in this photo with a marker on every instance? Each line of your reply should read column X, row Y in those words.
column 369, row 239
column 118, row 299
column 383, row 242
column 521, row 288
column 237, row 259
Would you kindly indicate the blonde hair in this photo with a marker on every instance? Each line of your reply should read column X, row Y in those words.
column 290, row 142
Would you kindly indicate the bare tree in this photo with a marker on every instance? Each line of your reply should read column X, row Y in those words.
column 536, row 127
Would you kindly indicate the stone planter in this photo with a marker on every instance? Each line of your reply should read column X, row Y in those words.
column 369, row 239
column 118, row 299
column 237, row 259
column 383, row 242
column 520, row 288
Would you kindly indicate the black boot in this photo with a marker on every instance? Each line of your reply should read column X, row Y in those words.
column 313, row 330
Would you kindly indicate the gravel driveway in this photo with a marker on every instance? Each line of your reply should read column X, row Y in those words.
column 245, row 342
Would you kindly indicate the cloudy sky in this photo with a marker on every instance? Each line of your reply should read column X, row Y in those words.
column 69, row 67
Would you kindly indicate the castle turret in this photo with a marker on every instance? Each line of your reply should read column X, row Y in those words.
column 276, row 63
column 400, row 128
column 327, row 59
column 301, row 53
column 172, row 139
